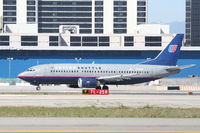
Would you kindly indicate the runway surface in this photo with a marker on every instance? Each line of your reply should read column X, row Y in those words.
column 114, row 90
column 131, row 96
column 99, row 124
column 101, row 101
column 128, row 96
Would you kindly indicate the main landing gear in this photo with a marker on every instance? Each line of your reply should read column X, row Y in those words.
column 104, row 87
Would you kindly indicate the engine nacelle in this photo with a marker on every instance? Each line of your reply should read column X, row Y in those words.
column 88, row 83
column 73, row 86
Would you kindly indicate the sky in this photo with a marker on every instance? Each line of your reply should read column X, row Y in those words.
column 166, row 11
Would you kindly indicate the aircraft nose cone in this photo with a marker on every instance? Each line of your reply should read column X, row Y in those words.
column 21, row 75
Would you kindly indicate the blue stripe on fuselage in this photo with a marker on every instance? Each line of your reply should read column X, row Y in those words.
column 36, row 80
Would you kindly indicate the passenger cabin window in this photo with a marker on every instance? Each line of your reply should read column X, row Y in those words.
column 31, row 70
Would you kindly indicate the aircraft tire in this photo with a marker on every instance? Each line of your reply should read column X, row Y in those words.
column 105, row 87
column 98, row 88
column 38, row 88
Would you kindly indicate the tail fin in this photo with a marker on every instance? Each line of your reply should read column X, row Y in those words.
column 170, row 55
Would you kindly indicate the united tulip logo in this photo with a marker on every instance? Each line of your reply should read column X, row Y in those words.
column 172, row 48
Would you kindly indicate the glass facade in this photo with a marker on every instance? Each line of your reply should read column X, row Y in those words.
column 31, row 11
column 89, row 41
column 29, row 40
column 153, row 41
column 128, row 41
column 192, row 23
column 86, row 16
column 4, row 40
column 99, row 13
column 120, row 17
column 141, row 12
column 52, row 14
column 9, row 11
column 53, row 40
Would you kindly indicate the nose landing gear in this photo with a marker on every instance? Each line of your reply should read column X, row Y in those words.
column 38, row 88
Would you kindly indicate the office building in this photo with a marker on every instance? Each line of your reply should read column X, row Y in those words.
column 192, row 22
column 87, row 16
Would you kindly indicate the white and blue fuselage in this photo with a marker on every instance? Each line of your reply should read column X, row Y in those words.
column 105, row 73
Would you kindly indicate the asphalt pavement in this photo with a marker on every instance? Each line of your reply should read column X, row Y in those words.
column 99, row 124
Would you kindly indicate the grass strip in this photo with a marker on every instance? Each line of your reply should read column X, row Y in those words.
column 118, row 112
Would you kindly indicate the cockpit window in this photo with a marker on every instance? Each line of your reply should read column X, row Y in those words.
column 31, row 70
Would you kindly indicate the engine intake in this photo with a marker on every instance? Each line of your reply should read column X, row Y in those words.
column 88, row 83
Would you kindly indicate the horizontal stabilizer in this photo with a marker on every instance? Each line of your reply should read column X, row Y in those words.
column 179, row 68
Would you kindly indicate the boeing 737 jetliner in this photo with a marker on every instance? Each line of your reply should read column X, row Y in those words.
column 100, row 75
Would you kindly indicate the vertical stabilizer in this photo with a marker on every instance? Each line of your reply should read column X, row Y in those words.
column 170, row 55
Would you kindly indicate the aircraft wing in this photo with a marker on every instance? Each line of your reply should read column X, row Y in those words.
column 180, row 67
column 115, row 78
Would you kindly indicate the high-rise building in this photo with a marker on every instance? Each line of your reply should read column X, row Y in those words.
column 192, row 22
column 89, row 16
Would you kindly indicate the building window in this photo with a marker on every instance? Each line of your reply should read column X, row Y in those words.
column 85, row 31
column 141, row 12
column 30, row 13
column 153, row 41
column 75, row 41
column 9, row 14
column 99, row 17
column 104, row 41
column 9, row 19
column 9, row 7
column 98, row 31
column 141, row 8
column 30, row 2
column 29, row 40
column 120, row 31
column 4, row 40
column 89, row 41
column 120, row 3
column 141, row 3
column 98, row 2
column 9, row 2
column 120, row 17
column 9, row 11
column 30, row 19
column 31, row 8
column 64, row 12
column 141, row 20
column 128, row 41
column 53, row 40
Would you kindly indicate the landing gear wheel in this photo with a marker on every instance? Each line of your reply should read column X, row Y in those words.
column 38, row 88
column 105, row 87
column 98, row 88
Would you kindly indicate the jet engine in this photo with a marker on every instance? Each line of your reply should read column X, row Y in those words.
column 73, row 86
column 88, row 83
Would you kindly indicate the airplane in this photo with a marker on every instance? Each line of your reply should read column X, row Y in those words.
column 99, row 76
